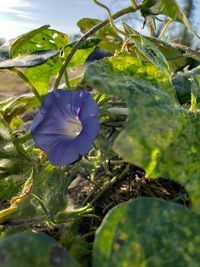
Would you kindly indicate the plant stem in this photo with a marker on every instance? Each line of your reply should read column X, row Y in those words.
column 67, row 80
column 24, row 138
column 110, row 17
column 27, row 82
column 134, row 3
column 168, row 21
column 118, row 111
column 118, row 14
column 112, row 182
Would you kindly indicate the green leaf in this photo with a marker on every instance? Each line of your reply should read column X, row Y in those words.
column 17, row 106
column 160, row 136
column 14, row 166
column 186, row 84
column 165, row 56
column 82, row 53
column 89, row 43
column 50, row 184
column 38, row 40
column 148, row 232
column 40, row 76
column 48, row 196
column 111, row 41
column 169, row 8
column 28, row 60
column 21, row 41
column 30, row 249
column 85, row 24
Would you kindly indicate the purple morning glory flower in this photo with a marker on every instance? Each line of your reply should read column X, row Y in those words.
column 66, row 125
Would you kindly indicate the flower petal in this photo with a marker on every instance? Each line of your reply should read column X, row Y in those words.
column 83, row 143
column 88, row 109
column 70, row 101
column 91, row 127
column 62, row 153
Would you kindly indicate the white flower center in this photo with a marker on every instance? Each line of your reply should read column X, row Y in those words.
column 73, row 128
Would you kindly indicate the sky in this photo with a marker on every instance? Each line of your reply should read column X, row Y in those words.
column 20, row 16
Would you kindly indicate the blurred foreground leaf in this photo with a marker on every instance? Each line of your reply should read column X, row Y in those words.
column 148, row 232
column 31, row 249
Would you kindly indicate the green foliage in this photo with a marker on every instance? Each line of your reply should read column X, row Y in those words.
column 148, row 232
column 38, row 40
column 149, row 117
column 14, row 164
column 82, row 53
column 110, row 39
column 40, row 76
column 169, row 8
column 47, row 186
column 13, row 107
column 164, row 55
column 161, row 136
column 30, row 249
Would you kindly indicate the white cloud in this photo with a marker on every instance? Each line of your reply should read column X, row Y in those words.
column 13, row 3
column 18, row 13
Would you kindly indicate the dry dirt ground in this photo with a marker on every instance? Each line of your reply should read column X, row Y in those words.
column 12, row 85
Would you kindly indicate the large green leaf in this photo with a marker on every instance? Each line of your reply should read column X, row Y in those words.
column 31, row 249
column 169, row 8
column 40, row 76
column 161, row 136
column 38, row 40
column 148, row 232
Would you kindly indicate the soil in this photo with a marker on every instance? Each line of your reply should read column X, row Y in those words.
column 134, row 185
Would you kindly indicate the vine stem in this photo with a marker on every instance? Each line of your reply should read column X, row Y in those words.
column 98, row 193
column 110, row 17
column 118, row 14
column 27, row 82
column 167, row 23
column 134, row 3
